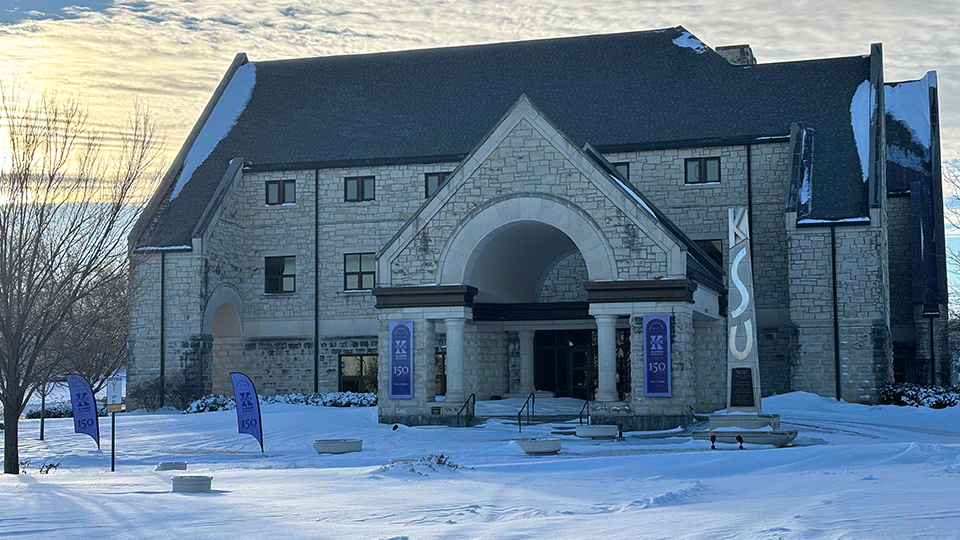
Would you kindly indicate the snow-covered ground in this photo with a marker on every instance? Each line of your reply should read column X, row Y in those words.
column 854, row 472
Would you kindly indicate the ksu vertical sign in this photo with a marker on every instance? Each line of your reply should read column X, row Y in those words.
column 656, row 355
column 401, row 360
column 84, row 407
column 248, row 407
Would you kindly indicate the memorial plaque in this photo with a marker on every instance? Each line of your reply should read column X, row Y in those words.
column 741, row 387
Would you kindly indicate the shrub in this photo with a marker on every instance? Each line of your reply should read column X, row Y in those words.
column 61, row 409
column 915, row 395
column 333, row 399
column 211, row 403
column 148, row 394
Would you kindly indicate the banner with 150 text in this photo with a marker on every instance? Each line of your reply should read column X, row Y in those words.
column 248, row 406
column 84, row 407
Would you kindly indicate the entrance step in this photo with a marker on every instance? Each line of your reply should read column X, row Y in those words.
column 564, row 429
column 537, row 419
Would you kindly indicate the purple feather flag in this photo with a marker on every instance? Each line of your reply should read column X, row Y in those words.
column 84, row 408
column 248, row 406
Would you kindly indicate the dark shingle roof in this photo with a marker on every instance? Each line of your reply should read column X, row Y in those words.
column 617, row 92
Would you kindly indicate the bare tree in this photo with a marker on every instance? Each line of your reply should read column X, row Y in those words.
column 65, row 207
column 950, row 173
column 92, row 342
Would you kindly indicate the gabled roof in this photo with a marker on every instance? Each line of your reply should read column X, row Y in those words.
column 620, row 92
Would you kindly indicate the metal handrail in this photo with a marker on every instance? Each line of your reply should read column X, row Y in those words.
column 586, row 407
column 465, row 403
column 532, row 401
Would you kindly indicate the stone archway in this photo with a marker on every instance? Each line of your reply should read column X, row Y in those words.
column 506, row 249
column 522, row 228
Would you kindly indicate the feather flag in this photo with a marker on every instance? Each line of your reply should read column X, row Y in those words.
column 248, row 406
column 84, row 408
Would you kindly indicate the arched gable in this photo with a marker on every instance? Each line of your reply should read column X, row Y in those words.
column 460, row 253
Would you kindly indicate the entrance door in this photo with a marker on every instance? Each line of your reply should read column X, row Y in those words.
column 564, row 362
column 581, row 372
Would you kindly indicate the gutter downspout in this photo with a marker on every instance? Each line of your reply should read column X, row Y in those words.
column 750, row 198
column 163, row 340
column 316, row 281
column 933, row 358
column 836, row 311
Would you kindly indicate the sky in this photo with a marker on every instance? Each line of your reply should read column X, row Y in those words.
column 171, row 54
column 854, row 471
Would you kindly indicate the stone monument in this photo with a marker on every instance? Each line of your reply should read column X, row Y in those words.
column 744, row 420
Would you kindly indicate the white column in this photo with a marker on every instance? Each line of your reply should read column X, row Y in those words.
column 526, row 361
column 455, row 391
column 607, row 357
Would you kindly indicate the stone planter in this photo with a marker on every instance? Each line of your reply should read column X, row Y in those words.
column 539, row 446
column 172, row 466
column 337, row 446
column 597, row 432
column 191, row 484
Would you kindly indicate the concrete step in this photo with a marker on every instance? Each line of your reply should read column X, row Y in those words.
column 537, row 419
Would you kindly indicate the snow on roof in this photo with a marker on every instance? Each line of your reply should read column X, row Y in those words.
column 687, row 40
column 910, row 103
column 810, row 221
column 221, row 120
column 636, row 197
column 861, row 107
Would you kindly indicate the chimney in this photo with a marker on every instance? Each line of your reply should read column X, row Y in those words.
column 738, row 55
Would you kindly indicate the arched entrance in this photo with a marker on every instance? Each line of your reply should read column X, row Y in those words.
column 528, row 257
column 223, row 321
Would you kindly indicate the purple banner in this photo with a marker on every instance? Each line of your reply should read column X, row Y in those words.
column 656, row 355
column 401, row 360
column 248, row 407
column 84, row 408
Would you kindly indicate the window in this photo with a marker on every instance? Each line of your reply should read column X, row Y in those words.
column 280, row 275
column 281, row 192
column 358, row 188
column 358, row 373
column 713, row 249
column 624, row 168
column 433, row 181
column 440, row 377
column 702, row 170
column 359, row 270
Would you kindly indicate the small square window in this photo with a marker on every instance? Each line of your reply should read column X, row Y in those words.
column 623, row 168
column 281, row 192
column 433, row 181
column 359, row 271
column 702, row 170
column 713, row 249
column 358, row 373
column 358, row 188
column 280, row 275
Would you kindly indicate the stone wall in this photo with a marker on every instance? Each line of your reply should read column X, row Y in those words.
column 186, row 351
column 710, row 365
column 564, row 281
column 862, row 311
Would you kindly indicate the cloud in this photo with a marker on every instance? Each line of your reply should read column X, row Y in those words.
column 172, row 53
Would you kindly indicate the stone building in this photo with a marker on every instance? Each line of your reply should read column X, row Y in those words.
column 515, row 210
